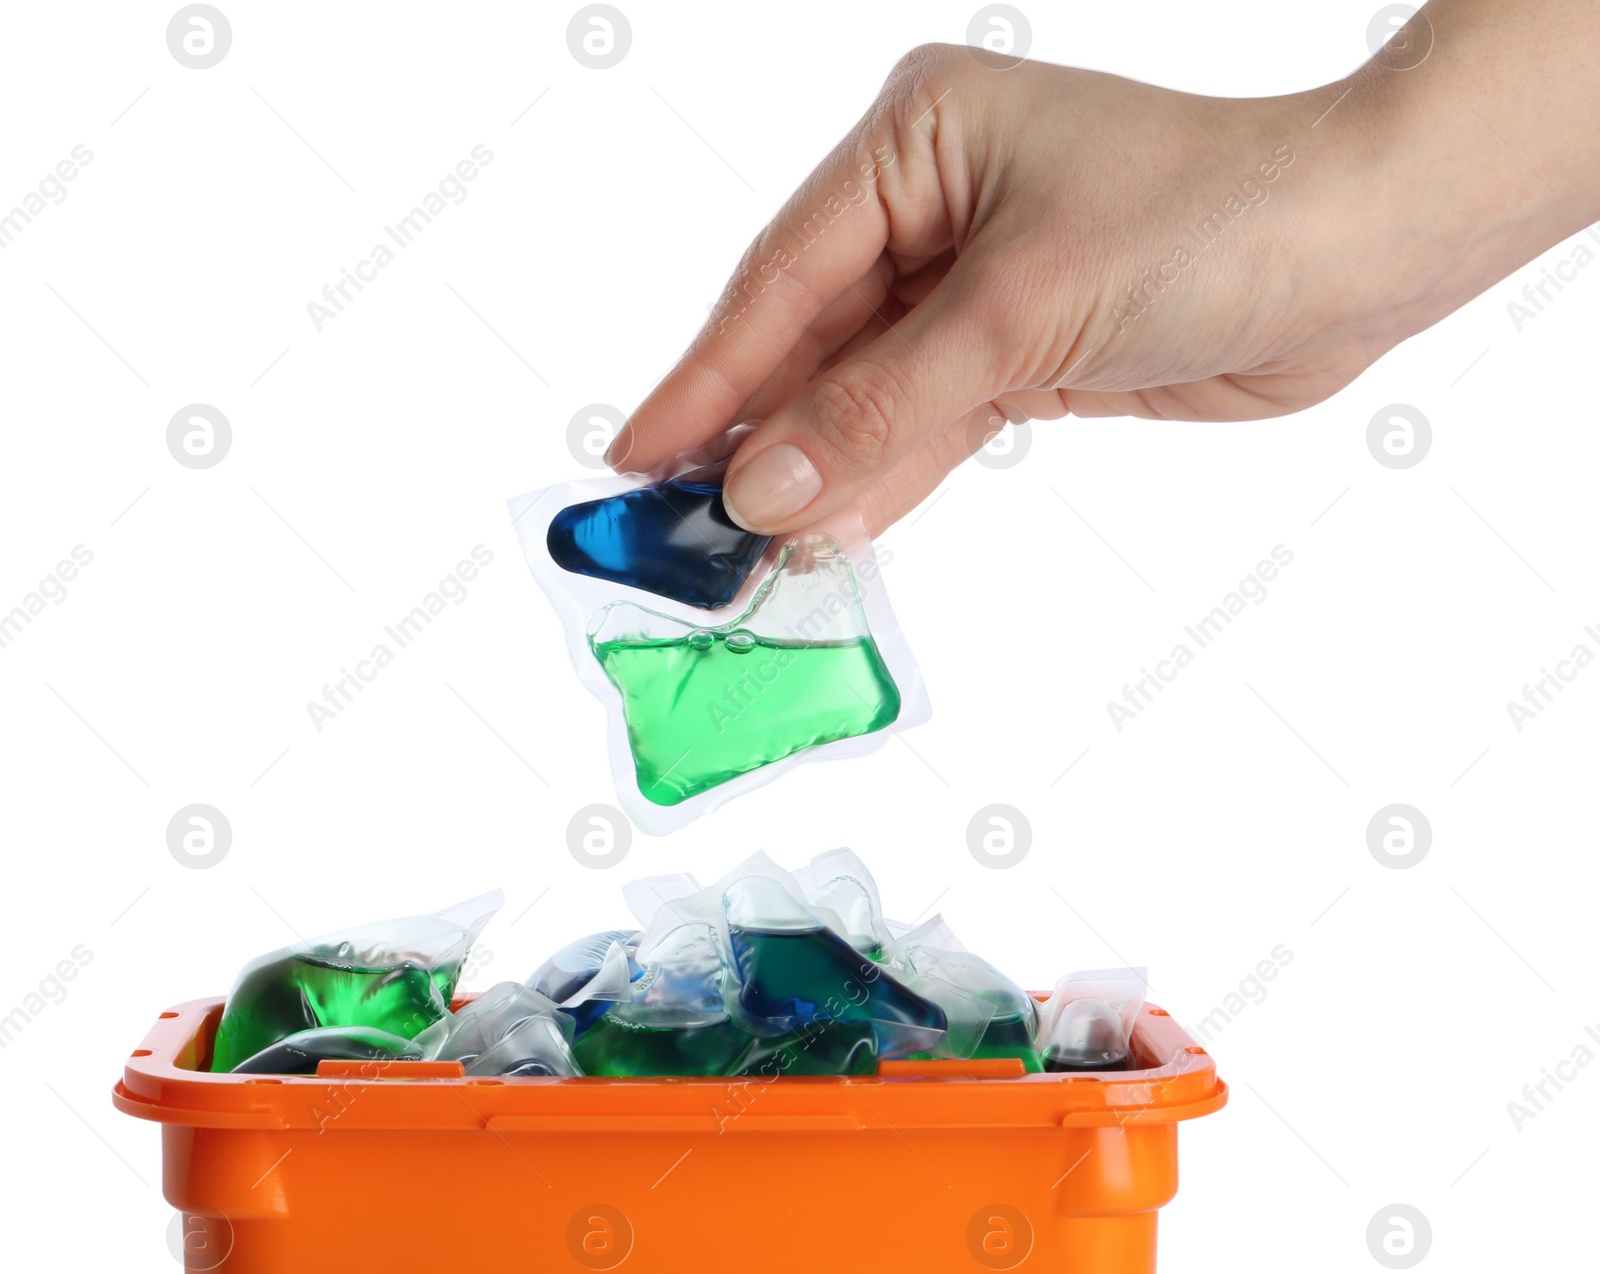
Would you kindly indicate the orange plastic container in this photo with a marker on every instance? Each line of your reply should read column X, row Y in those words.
column 925, row 1166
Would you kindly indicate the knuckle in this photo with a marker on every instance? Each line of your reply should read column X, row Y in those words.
column 921, row 77
column 923, row 58
column 856, row 414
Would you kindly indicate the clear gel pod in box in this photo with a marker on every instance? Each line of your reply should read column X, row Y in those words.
column 705, row 702
column 1088, row 1021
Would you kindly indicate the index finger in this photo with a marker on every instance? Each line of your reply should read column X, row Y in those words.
column 826, row 237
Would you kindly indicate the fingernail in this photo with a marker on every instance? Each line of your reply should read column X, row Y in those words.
column 618, row 449
column 772, row 488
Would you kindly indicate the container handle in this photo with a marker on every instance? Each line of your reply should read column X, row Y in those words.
column 953, row 1068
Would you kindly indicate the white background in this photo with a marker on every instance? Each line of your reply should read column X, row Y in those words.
column 368, row 458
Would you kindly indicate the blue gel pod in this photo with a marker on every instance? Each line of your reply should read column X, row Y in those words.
column 794, row 971
column 790, row 978
column 565, row 975
column 673, row 539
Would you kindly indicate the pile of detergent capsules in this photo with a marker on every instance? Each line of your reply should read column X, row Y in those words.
column 766, row 972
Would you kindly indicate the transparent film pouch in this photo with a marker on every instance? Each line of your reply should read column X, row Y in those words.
column 722, row 658
column 989, row 1015
column 391, row 978
column 1087, row 1023
column 796, row 958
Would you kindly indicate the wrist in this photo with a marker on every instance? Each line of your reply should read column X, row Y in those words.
column 1434, row 175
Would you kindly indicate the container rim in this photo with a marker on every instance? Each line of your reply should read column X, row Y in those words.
column 162, row 1082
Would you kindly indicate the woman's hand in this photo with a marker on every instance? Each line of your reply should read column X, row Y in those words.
column 1000, row 242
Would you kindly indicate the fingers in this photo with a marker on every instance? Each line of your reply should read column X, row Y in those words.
column 829, row 234
column 915, row 281
column 859, row 419
column 918, row 476
column 836, row 328
column 885, row 317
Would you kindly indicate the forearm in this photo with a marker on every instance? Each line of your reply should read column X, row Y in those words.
column 1445, row 174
